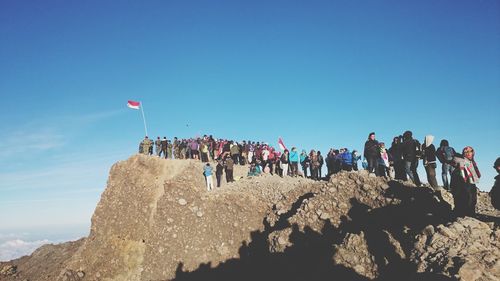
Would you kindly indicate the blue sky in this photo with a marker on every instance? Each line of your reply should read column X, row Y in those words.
column 320, row 74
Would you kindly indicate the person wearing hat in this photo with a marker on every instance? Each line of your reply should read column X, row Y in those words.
column 495, row 190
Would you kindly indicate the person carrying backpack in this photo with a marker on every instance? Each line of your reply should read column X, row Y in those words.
column 346, row 157
column 445, row 154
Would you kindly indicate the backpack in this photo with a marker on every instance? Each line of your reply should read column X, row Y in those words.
column 419, row 153
column 448, row 153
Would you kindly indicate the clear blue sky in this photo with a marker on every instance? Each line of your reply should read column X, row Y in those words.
column 320, row 74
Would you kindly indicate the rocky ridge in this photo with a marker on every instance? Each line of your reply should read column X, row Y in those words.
column 156, row 221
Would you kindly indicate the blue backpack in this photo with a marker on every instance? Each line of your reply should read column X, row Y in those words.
column 448, row 153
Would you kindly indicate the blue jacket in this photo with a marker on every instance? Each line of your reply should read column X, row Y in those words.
column 347, row 158
column 207, row 170
column 303, row 157
column 294, row 156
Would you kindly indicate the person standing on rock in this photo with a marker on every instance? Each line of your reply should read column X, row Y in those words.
column 313, row 159
column 169, row 149
column 219, row 171
column 396, row 151
column 355, row 158
column 204, row 151
column 430, row 161
column 445, row 154
column 176, row 148
column 346, row 158
column 158, row 146
column 463, row 183
column 304, row 162
column 207, row 171
column 384, row 161
column 229, row 165
column 321, row 162
column 163, row 150
column 329, row 162
column 371, row 153
column 410, row 147
column 294, row 161
column 235, row 152
column 285, row 159
column 146, row 144
column 495, row 190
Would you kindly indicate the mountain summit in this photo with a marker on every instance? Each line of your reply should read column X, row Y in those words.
column 156, row 221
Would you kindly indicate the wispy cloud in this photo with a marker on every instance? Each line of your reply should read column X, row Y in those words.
column 30, row 140
column 16, row 248
column 43, row 135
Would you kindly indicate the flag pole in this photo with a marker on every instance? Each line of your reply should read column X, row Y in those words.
column 144, row 119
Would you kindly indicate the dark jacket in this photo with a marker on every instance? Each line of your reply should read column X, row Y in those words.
column 409, row 150
column 430, row 154
column 440, row 154
column 219, row 169
column 396, row 151
column 371, row 149
column 495, row 193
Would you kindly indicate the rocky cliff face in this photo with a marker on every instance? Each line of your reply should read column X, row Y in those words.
column 156, row 221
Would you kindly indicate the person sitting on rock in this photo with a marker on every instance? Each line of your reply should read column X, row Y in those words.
column 254, row 169
column 495, row 190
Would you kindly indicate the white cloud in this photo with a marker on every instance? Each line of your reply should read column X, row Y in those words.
column 16, row 248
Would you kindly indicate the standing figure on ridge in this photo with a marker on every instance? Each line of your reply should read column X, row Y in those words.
column 371, row 153
column 430, row 161
column 463, row 183
column 445, row 154
column 410, row 147
column 294, row 162
column 163, row 145
column 146, row 146
column 207, row 171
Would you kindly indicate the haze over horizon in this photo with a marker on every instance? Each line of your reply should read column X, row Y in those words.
column 319, row 74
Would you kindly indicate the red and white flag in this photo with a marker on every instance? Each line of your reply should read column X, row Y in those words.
column 133, row 104
column 281, row 144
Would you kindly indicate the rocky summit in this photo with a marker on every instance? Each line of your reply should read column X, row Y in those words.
column 156, row 221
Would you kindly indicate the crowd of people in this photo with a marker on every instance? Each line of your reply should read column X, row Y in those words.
column 459, row 171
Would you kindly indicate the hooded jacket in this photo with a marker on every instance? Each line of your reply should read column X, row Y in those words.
column 429, row 150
